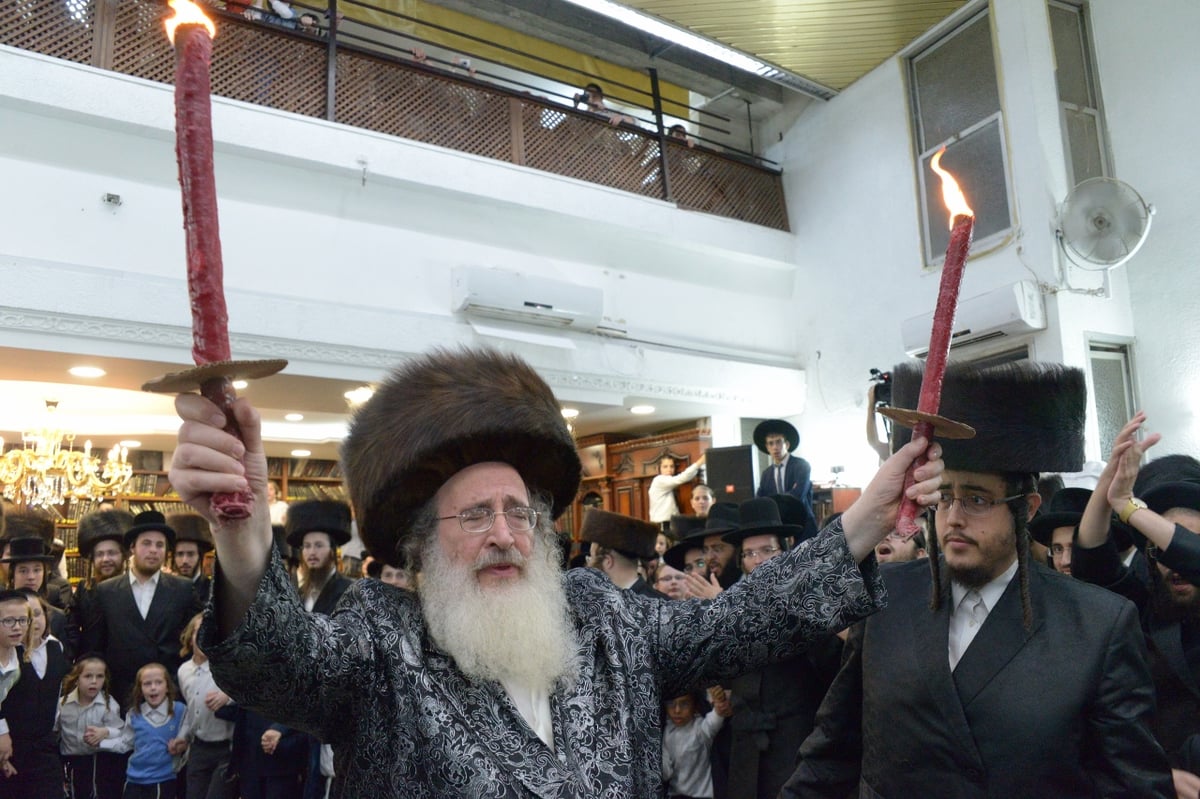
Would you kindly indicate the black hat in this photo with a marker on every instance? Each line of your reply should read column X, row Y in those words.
column 149, row 521
column 1166, row 469
column 103, row 525
column 1065, row 509
column 793, row 510
column 722, row 517
column 760, row 516
column 439, row 414
column 12, row 595
column 683, row 526
column 775, row 427
column 375, row 569
column 26, row 524
column 192, row 527
column 625, row 534
column 1178, row 494
column 1028, row 417
column 27, row 548
column 318, row 516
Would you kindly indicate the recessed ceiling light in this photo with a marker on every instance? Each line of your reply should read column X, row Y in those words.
column 359, row 395
column 240, row 384
column 570, row 413
column 87, row 371
column 293, row 417
column 129, row 444
column 301, row 453
column 642, row 410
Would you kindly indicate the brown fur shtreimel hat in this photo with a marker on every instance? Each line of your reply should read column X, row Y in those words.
column 625, row 534
column 439, row 414
column 103, row 525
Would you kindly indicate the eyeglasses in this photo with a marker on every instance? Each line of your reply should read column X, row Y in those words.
column 972, row 504
column 12, row 622
column 480, row 520
column 712, row 550
column 694, row 566
column 762, row 553
column 673, row 578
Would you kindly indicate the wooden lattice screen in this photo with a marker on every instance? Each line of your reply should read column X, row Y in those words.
column 271, row 66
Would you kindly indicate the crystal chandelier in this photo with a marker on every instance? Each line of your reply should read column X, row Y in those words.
column 47, row 470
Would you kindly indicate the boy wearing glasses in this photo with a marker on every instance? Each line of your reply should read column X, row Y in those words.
column 946, row 691
column 14, row 622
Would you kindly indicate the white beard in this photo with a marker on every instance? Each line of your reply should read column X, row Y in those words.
column 518, row 632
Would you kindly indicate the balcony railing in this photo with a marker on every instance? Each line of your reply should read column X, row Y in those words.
column 317, row 76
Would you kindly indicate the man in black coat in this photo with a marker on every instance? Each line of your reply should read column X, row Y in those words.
column 316, row 529
column 787, row 473
column 137, row 618
column 193, row 540
column 1007, row 679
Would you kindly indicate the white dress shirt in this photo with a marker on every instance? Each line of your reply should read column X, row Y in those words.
column 72, row 718
column 143, row 591
column 962, row 626
column 195, row 682
column 662, row 493
column 534, row 706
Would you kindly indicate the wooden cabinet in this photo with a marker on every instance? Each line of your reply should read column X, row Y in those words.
column 629, row 464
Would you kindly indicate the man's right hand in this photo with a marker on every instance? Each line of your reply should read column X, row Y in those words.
column 270, row 740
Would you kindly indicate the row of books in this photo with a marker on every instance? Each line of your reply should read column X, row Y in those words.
column 303, row 467
column 302, row 491
column 147, row 485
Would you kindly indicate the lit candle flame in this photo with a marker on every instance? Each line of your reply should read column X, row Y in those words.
column 187, row 13
column 952, row 196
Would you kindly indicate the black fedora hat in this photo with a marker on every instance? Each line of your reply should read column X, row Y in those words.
column 760, row 516
column 1065, row 509
column 318, row 516
column 793, row 510
column 722, row 517
column 683, row 526
column 103, row 525
column 27, row 548
column 1177, row 494
column 776, row 427
column 149, row 521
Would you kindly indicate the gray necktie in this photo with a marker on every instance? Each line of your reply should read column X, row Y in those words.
column 779, row 479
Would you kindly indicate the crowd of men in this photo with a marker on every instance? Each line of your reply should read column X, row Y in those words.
column 845, row 660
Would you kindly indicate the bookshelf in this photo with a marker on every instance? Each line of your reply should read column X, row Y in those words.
column 150, row 489
column 307, row 478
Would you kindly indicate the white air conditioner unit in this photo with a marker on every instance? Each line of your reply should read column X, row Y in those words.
column 528, row 299
column 1005, row 312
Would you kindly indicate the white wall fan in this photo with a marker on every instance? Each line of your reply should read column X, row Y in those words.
column 1102, row 223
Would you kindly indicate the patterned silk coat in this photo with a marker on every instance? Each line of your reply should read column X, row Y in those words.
column 405, row 722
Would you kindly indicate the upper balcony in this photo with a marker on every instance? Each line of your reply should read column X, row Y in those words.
column 362, row 74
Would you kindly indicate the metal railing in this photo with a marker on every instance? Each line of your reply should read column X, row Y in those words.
column 351, row 75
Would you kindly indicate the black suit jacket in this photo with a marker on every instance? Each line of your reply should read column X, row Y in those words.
column 797, row 480
column 127, row 641
column 328, row 598
column 1060, row 710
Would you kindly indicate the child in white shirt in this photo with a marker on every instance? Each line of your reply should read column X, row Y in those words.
column 87, row 715
column 687, row 741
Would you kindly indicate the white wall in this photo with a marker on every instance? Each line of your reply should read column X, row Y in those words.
column 849, row 177
column 1149, row 68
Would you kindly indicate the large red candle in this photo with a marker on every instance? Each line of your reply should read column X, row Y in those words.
column 192, row 33
column 962, row 226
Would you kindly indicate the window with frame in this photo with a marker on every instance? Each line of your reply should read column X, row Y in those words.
column 956, row 104
column 1078, row 94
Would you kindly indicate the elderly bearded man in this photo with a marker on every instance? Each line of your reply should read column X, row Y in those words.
column 500, row 676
